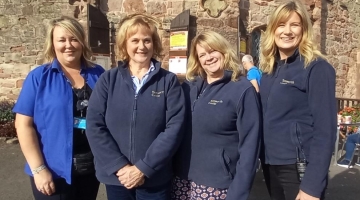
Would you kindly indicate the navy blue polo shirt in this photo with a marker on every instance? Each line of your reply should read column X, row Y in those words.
column 47, row 97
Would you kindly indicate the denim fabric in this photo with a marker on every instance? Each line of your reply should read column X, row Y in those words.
column 350, row 145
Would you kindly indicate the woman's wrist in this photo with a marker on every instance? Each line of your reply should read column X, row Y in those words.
column 38, row 169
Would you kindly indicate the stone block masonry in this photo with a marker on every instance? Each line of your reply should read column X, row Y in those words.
column 166, row 10
column 22, row 32
column 23, row 28
column 336, row 26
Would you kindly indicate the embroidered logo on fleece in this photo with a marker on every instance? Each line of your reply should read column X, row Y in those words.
column 215, row 102
column 156, row 94
column 286, row 82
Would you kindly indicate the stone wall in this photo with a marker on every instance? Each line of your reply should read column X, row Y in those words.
column 22, row 30
column 336, row 26
column 23, row 27
column 166, row 10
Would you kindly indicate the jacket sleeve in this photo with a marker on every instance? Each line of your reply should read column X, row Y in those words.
column 249, row 125
column 322, row 102
column 165, row 145
column 106, row 151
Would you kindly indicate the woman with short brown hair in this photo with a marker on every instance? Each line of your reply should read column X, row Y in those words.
column 135, row 117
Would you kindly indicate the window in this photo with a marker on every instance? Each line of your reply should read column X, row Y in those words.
column 255, row 43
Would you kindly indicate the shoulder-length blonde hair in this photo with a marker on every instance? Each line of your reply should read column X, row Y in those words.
column 129, row 26
column 307, row 48
column 75, row 29
column 216, row 42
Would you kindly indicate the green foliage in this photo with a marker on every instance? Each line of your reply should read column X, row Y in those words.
column 6, row 114
column 7, row 128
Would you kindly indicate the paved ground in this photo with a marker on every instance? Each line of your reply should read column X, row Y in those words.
column 14, row 184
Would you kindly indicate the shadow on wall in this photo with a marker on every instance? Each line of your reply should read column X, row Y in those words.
column 324, row 16
column 192, row 29
column 93, row 2
column 71, row 2
column 77, row 10
column 103, row 5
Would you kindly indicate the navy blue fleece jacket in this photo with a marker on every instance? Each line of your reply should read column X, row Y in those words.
column 144, row 130
column 222, row 140
column 299, row 110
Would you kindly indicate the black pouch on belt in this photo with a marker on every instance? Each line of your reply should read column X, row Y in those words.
column 300, row 166
column 83, row 164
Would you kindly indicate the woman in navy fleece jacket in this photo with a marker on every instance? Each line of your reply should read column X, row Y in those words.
column 299, row 109
column 218, row 156
column 135, row 116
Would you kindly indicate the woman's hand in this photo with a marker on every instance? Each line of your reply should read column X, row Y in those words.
column 44, row 182
column 303, row 196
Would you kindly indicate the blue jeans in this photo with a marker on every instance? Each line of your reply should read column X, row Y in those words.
column 116, row 192
column 350, row 145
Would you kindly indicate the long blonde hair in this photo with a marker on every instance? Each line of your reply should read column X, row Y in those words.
column 129, row 26
column 214, row 41
column 75, row 29
column 307, row 47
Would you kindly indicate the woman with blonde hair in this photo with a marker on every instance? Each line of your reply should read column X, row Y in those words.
column 135, row 117
column 298, row 100
column 218, row 156
column 53, row 98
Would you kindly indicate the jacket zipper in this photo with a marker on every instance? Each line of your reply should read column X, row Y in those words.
column 300, row 142
column 133, row 119
column 193, row 107
column 133, row 123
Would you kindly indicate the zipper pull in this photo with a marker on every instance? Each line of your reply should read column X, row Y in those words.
column 193, row 105
column 135, row 103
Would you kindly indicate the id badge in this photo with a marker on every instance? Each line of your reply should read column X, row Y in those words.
column 80, row 123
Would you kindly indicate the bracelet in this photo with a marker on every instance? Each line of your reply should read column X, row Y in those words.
column 38, row 169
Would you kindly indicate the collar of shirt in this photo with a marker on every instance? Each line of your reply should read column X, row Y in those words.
column 55, row 65
column 139, row 83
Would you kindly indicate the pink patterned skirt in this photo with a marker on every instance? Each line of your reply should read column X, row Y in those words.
column 188, row 190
